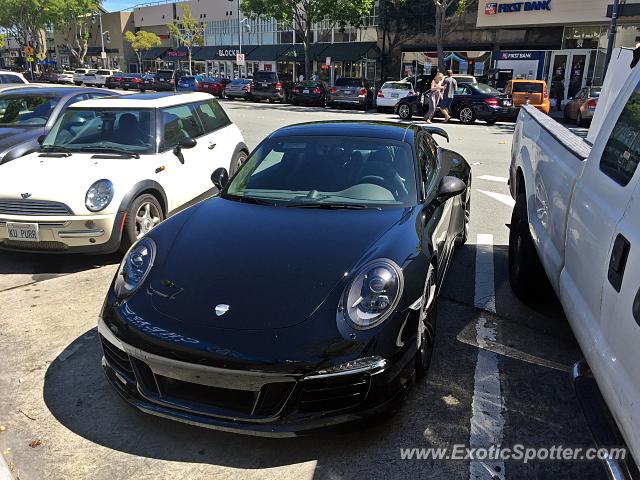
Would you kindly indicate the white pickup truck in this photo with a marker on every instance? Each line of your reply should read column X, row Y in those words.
column 576, row 221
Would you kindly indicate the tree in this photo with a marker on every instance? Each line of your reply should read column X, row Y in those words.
column 3, row 40
column 187, row 30
column 448, row 15
column 75, row 18
column 141, row 42
column 303, row 14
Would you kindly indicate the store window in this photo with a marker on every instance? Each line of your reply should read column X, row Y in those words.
column 582, row 37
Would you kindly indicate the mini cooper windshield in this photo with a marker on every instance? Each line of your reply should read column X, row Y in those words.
column 26, row 110
column 108, row 130
column 349, row 172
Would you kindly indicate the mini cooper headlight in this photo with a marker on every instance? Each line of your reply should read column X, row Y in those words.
column 373, row 294
column 135, row 267
column 99, row 195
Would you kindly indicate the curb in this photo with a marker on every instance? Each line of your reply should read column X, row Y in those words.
column 5, row 472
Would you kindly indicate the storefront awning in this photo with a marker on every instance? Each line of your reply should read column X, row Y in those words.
column 625, row 10
column 154, row 53
column 295, row 53
column 350, row 52
column 221, row 52
column 92, row 51
column 266, row 53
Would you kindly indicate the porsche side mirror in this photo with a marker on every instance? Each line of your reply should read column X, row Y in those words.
column 449, row 187
column 220, row 178
column 41, row 139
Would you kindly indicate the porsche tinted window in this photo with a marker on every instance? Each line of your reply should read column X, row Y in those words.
column 622, row 152
column 26, row 110
column 368, row 171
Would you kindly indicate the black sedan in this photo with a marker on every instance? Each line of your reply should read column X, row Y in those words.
column 115, row 80
column 132, row 80
column 471, row 102
column 28, row 113
column 302, row 296
column 148, row 82
column 310, row 93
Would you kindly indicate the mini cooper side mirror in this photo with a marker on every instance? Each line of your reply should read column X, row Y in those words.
column 220, row 178
column 186, row 142
column 449, row 187
column 41, row 139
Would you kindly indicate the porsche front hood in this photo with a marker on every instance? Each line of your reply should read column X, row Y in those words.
column 272, row 266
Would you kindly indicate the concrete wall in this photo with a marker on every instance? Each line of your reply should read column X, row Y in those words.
column 202, row 10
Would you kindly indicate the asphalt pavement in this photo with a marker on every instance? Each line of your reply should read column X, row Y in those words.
column 500, row 371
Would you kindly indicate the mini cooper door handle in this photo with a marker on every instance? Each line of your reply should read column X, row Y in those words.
column 212, row 145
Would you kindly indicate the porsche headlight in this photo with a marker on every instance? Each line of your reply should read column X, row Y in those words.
column 372, row 294
column 135, row 267
column 99, row 195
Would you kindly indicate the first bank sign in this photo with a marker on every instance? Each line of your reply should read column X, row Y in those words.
column 537, row 5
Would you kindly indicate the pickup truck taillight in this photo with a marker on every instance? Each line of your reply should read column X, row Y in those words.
column 333, row 90
column 363, row 92
column 380, row 94
column 279, row 86
column 591, row 104
column 491, row 101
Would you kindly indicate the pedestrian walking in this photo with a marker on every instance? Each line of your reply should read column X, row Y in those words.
column 450, row 86
column 434, row 96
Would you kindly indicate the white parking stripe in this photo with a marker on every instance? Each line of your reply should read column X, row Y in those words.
column 492, row 178
column 487, row 421
column 501, row 197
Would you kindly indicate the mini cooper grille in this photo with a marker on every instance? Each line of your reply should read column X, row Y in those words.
column 333, row 393
column 33, row 208
column 118, row 360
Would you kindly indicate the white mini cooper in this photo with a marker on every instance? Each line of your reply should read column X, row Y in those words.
column 111, row 169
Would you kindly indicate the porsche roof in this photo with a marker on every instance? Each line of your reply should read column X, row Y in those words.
column 144, row 100
column 349, row 128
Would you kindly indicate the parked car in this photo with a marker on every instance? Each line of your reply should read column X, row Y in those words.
column 465, row 78
column 115, row 80
column 351, row 91
column 131, row 80
column 65, row 77
column 581, row 107
column 211, row 85
column 98, row 78
column 78, row 75
column 358, row 321
column 576, row 225
column 7, row 76
column 168, row 79
column 28, row 113
column 190, row 83
column 269, row 86
column 312, row 92
column 239, row 88
column 529, row 92
column 111, row 169
column 471, row 102
column 391, row 92
column 148, row 82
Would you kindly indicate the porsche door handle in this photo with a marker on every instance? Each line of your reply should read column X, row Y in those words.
column 211, row 145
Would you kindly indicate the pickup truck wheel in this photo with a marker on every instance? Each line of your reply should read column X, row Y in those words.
column 467, row 115
column 143, row 214
column 237, row 162
column 526, row 274
column 404, row 112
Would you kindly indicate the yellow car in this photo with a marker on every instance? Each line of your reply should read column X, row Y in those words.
column 529, row 92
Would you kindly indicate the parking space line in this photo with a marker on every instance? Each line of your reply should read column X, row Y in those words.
column 493, row 178
column 501, row 197
column 487, row 421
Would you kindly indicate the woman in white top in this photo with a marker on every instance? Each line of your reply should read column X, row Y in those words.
column 434, row 96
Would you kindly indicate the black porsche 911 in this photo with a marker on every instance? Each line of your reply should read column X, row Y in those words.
column 304, row 294
column 471, row 102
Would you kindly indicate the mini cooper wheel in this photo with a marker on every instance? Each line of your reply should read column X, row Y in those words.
column 427, row 324
column 404, row 112
column 467, row 115
column 237, row 162
column 143, row 214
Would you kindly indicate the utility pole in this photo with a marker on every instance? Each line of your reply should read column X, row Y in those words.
column 239, row 34
column 103, row 55
column 611, row 36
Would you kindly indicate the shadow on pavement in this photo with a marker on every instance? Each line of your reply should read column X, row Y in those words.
column 44, row 266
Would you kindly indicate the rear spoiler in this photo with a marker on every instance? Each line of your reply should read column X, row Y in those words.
column 436, row 131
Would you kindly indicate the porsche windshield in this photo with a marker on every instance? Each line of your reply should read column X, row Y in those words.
column 26, row 110
column 346, row 171
column 103, row 129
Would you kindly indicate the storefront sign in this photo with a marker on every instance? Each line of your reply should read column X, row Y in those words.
column 537, row 5
column 518, row 56
column 231, row 53
column 176, row 53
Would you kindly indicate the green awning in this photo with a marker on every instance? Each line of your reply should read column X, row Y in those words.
column 295, row 53
column 351, row 51
column 267, row 53
column 154, row 53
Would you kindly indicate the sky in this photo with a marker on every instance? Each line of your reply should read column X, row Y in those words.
column 115, row 5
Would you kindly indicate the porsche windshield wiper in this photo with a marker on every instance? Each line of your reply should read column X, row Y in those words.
column 253, row 200
column 331, row 206
column 117, row 150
